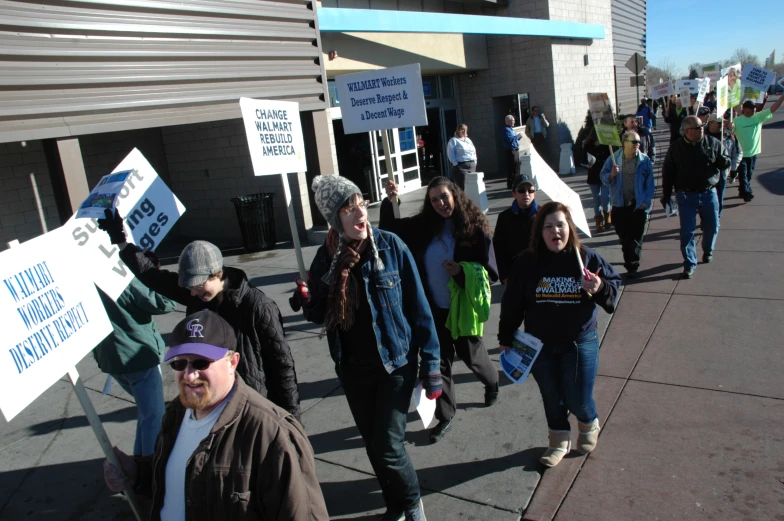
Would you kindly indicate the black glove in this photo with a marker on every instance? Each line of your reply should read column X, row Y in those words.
column 112, row 224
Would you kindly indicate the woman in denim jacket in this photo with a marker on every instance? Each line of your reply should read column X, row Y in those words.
column 365, row 289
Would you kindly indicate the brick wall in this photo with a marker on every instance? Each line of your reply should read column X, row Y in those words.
column 18, row 211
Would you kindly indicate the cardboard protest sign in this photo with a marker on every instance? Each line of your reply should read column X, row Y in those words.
column 752, row 94
column 757, row 77
column 548, row 181
column 150, row 210
column 52, row 318
column 712, row 71
column 382, row 99
column 684, row 96
column 274, row 133
column 734, row 88
column 703, row 89
column 692, row 85
column 603, row 119
column 722, row 96
column 661, row 90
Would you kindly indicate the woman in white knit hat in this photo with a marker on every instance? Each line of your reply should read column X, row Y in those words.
column 365, row 289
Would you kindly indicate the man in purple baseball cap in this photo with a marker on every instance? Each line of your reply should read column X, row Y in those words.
column 218, row 424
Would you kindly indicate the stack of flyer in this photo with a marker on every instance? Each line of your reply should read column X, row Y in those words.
column 518, row 360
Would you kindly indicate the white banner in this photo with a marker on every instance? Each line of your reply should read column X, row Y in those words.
column 757, row 77
column 52, row 317
column 274, row 133
column 661, row 90
column 382, row 99
column 548, row 181
column 150, row 210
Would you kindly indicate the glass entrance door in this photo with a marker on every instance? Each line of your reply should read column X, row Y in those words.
column 405, row 162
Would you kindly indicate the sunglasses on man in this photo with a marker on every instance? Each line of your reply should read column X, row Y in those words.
column 200, row 364
column 522, row 190
column 636, row 142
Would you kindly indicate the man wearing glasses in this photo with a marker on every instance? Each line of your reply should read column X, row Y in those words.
column 693, row 167
column 224, row 451
column 647, row 142
column 513, row 230
column 629, row 174
column 203, row 282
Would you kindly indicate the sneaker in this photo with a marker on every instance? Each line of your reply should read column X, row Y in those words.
column 393, row 516
column 439, row 431
column 417, row 514
column 707, row 258
column 747, row 198
column 491, row 395
column 688, row 273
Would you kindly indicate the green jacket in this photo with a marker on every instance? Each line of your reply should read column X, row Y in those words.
column 135, row 345
column 469, row 307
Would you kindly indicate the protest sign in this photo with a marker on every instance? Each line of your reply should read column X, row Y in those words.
column 752, row 94
column 52, row 318
column 149, row 209
column 722, row 96
column 274, row 133
column 661, row 90
column 548, row 181
column 382, row 99
column 756, row 77
column 517, row 361
column 711, row 71
column 684, row 96
column 734, row 90
column 603, row 119
column 276, row 145
column 703, row 90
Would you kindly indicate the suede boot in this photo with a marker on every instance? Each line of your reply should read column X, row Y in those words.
column 599, row 220
column 560, row 445
column 589, row 435
column 607, row 220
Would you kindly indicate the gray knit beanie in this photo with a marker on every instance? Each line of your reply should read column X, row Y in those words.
column 332, row 192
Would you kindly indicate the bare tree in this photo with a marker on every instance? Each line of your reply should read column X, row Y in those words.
column 664, row 69
column 743, row 56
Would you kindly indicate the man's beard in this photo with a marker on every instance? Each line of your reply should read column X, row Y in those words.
column 196, row 401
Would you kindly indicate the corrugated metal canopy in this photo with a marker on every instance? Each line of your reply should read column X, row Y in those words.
column 70, row 67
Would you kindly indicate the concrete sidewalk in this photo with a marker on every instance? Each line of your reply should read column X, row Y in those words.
column 675, row 399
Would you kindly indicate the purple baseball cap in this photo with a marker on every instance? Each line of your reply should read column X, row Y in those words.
column 205, row 334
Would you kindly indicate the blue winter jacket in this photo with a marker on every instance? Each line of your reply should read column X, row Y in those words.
column 644, row 184
column 402, row 320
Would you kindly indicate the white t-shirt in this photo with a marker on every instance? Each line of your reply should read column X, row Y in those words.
column 192, row 432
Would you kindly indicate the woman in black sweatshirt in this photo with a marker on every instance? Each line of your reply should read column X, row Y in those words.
column 559, row 306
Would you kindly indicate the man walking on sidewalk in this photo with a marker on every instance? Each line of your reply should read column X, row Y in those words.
column 693, row 166
column 748, row 130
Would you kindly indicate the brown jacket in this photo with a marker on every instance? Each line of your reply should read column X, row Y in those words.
column 256, row 463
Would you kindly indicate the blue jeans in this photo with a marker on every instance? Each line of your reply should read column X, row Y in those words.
column 601, row 199
column 689, row 205
column 745, row 172
column 565, row 375
column 721, row 186
column 379, row 404
column 146, row 388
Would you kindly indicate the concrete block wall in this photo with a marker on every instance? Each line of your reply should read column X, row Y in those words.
column 18, row 211
column 572, row 78
column 209, row 164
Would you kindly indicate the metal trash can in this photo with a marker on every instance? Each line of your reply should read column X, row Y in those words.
column 257, row 221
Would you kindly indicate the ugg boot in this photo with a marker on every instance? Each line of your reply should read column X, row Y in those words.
column 560, row 445
column 589, row 435
column 607, row 220
column 599, row 220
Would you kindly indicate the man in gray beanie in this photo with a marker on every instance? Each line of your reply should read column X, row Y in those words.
column 365, row 289
column 203, row 282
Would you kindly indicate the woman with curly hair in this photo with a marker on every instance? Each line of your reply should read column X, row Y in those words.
column 449, row 230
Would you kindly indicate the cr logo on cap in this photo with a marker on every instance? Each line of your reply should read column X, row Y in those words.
column 195, row 328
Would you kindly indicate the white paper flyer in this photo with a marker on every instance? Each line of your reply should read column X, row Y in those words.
column 518, row 360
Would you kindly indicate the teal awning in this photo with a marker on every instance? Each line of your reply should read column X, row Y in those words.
column 337, row 20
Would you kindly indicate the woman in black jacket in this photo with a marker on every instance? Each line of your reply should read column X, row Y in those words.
column 559, row 305
column 450, row 229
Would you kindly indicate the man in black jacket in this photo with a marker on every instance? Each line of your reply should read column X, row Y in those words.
column 647, row 143
column 693, row 166
column 266, row 364
column 513, row 230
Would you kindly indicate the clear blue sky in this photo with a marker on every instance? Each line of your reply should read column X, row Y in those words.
column 716, row 29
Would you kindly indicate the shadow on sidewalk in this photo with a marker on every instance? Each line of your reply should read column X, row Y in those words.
column 773, row 182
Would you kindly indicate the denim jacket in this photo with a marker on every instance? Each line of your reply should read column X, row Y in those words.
column 644, row 185
column 402, row 320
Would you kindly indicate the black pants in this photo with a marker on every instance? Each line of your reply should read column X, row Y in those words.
column 459, row 172
column 630, row 227
column 540, row 145
column 471, row 350
column 379, row 404
column 511, row 167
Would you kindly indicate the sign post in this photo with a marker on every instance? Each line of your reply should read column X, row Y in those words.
column 54, row 320
column 636, row 63
column 382, row 100
column 276, row 146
